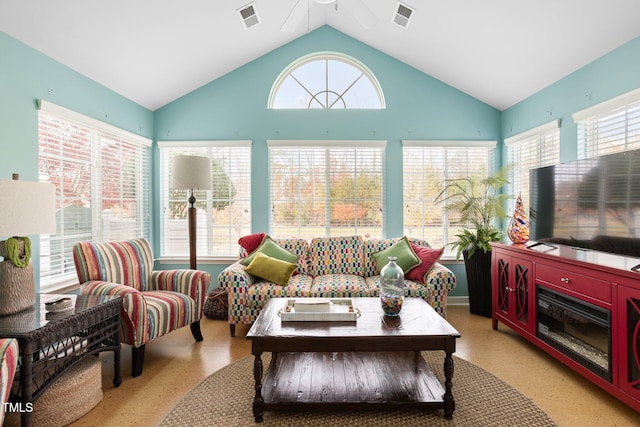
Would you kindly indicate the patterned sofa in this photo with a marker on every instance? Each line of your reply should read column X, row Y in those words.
column 327, row 267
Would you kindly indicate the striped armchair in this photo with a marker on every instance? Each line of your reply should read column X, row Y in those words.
column 9, row 356
column 154, row 303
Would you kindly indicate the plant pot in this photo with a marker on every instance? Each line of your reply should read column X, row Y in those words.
column 478, row 269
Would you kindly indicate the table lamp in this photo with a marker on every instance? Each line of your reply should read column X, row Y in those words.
column 191, row 173
column 26, row 208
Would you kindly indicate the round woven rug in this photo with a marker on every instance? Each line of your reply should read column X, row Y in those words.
column 225, row 399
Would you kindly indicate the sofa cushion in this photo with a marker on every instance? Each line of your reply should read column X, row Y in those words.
column 402, row 251
column 271, row 269
column 339, row 286
column 336, row 255
column 260, row 292
column 428, row 257
column 270, row 248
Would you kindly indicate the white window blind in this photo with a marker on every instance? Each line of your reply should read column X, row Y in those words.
column 326, row 188
column 609, row 127
column 531, row 149
column 427, row 165
column 223, row 214
column 102, row 180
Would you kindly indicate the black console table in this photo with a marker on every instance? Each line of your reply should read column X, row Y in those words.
column 51, row 342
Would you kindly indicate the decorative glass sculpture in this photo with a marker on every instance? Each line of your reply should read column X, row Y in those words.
column 518, row 230
column 391, row 288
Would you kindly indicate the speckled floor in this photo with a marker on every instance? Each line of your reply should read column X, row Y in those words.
column 175, row 363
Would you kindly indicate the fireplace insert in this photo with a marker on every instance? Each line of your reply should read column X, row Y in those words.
column 579, row 330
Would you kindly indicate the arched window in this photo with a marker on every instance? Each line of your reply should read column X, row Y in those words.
column 326, row 80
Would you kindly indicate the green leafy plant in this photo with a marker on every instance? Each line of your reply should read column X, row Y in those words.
column 479, row 204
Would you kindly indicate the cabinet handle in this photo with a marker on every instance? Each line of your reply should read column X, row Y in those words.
column 564, row 280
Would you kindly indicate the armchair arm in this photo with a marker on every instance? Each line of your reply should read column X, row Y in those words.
column 189, row 282
column 9, row 353
column 134, row 323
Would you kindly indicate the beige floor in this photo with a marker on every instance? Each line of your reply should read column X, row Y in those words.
column 175, row 363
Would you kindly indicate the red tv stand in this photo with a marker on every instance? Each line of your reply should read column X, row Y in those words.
column 531, row 285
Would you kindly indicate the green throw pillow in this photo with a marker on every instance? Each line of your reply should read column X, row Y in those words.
column 271, row 269
column 270, row 248
column 406, row 257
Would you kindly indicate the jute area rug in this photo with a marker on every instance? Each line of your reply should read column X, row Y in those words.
column 225, row 399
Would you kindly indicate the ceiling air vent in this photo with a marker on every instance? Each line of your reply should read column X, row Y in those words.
column 402, row 15
column 249, row 16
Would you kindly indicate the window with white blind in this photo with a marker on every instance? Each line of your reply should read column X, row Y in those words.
column 102, row 180
column 326, row 188
column 223, row 213
column 427, row 166
column 531, row 149
column 609, row 127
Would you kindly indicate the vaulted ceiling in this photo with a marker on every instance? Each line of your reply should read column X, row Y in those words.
column 154, row 51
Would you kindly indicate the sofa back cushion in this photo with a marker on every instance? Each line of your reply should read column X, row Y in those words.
column 336, row 255
column 372, row 246
column 298, row 247
column 128, row 262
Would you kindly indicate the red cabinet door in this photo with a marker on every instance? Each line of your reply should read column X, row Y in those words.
column 629, row 340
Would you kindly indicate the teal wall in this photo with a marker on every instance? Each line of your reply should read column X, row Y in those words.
column 607, row 77
column 234, row 107
column 26, row 76
column 418, row 107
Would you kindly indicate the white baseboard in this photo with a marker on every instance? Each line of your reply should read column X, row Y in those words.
column 457, row 300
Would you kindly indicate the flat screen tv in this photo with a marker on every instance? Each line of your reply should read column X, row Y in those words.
column 590, row 199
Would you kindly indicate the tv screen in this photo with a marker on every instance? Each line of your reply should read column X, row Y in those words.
column 586, row 199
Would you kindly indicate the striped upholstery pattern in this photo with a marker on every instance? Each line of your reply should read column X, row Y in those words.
column 154, row 303
column 336, row 267
column 9, row 352
column 127, row 263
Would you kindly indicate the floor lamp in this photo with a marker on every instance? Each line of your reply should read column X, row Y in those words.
column 191, row 173
column 26, row 208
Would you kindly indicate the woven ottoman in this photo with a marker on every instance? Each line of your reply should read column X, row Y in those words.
column 77, row 391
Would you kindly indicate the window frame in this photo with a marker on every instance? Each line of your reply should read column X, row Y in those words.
column 595, row 136
column 85, row 140
column 538, row 140
column 207, row 227
column 324, row 56
column 327, row 146
column 448, row 228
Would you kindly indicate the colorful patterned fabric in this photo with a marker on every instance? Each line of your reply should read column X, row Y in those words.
column 153, row 302
column 339, row 286
column 9, row 352
column 330, row 261
column 127, row 263
column 336, row 255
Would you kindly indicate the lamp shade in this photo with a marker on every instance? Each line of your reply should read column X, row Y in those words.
column 190, row 173
column 27, row 208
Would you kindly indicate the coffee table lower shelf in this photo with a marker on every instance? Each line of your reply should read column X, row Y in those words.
column 306, row 381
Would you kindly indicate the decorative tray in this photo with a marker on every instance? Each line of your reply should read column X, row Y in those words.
column 319, row 310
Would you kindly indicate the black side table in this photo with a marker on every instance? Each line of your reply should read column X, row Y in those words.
column 51, row 342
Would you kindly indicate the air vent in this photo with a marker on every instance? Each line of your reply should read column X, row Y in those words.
column 402, row 15
column 249, row 16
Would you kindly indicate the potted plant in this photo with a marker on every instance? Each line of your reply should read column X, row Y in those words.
column 478, row 203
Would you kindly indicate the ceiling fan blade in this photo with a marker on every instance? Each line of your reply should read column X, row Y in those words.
column 361, row 12
column 296, row 16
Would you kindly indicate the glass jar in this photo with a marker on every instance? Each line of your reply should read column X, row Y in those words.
column 391, row 288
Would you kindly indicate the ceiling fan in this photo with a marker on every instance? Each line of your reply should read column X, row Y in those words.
column 357, row 8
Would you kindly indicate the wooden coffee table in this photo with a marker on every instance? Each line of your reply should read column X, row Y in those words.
column 370, row 363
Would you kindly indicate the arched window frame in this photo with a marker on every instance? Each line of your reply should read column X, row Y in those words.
column 326, row 56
